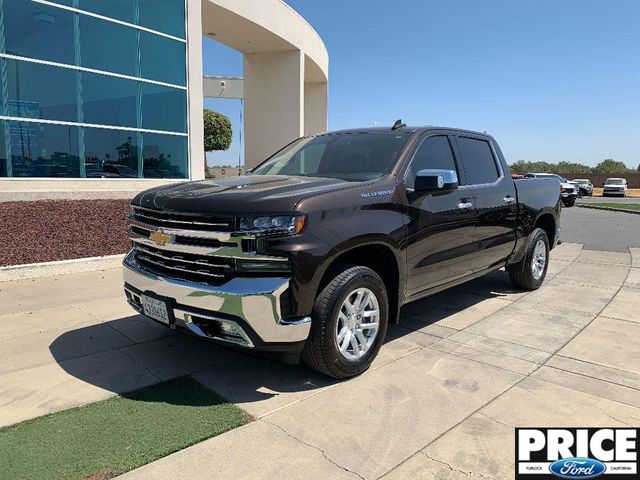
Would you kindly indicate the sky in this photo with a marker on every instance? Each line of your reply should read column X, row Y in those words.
column 551, row 80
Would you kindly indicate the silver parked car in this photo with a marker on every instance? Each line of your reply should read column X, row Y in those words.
column 615, row 186
column 585, row 186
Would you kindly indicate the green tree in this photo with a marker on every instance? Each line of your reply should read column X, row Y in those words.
column 610, row 165
column 217, row 131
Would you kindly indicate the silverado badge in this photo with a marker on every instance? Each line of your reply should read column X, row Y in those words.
column 159, row 237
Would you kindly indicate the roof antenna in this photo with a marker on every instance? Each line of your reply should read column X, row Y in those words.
column 398, row 125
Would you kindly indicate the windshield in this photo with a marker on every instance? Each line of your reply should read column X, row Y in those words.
column 581, row 181
column 615, row 181
column 348, row 156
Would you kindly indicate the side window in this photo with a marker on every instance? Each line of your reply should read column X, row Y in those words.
column 478, row 161
column 433, row 152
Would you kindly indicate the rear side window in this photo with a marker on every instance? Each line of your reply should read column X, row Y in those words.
column 478, row 161
column 433, row 152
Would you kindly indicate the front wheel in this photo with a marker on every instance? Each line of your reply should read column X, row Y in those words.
column 529, row 272
column 569, row 202
column 349, row 323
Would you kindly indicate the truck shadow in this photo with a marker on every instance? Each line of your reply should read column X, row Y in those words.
column 129, row 353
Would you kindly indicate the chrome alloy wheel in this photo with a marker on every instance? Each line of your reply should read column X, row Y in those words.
column 539, row 260
column 358, row 323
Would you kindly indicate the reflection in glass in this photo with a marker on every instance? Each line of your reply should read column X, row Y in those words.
column 164, row 108
column 108, row 46
column 165, row 16
column 39, row 31
column 26, row 96
column 109, row 100
column 110, row 153
column 43, row 150
column 162, row 59
column 165, row 156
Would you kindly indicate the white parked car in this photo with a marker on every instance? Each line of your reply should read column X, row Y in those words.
column 615, row 186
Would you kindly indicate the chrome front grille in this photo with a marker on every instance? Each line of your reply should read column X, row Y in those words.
column 161, row 218
column 184, row 266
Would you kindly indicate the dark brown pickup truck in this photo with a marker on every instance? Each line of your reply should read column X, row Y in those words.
column 315, row 251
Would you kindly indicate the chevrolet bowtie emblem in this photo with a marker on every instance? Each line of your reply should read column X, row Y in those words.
column 159, row 238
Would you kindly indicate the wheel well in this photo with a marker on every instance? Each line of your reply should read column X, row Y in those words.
column 548, row 224
column 378, row 258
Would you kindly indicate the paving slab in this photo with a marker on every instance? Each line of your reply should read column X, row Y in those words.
column 488, row 357
column 604, row 258
column 625, row 305
column 178, row 355
column 588, row 384
column 139, row 328
column 494, row 284
column 484, row 454
column 569, row 297
column 44, row 320
column 258, row 450
column 49, row 388
column 502, row 347
column 106, row 309
column 60, row 290
column 526, row 324
column 552, row 404
column 634, row 276
column 566, row 251
column 20, row 353
column 593, row 275
column 395, row 407
column 457, row 310
column 601, row 372
column 635, row 256
column 610, row 342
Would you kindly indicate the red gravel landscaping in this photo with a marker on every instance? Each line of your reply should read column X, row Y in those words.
column 47, row 230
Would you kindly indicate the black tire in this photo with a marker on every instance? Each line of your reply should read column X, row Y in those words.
column 321, row 351
column 569, row 202
column 521, row 274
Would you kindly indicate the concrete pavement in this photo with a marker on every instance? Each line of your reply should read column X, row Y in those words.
column 451, row 382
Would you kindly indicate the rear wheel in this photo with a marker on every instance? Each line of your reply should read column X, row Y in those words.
column 349, row 323
column 569, row 202
column 529, row 273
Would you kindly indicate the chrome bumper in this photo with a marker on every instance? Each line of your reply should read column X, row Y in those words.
column 245, row 310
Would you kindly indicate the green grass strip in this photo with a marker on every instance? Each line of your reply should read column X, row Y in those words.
column 622, row 206
column 116, row 435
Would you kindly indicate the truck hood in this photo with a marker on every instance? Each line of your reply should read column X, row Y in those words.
column 255, row 194
column 614, row 185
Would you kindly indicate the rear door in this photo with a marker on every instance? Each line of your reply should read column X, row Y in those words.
column 440, row 227
column 488, row 182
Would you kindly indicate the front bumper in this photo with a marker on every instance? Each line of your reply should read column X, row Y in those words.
column 245, row 311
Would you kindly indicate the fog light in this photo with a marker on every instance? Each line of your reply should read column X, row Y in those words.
column 228, row 328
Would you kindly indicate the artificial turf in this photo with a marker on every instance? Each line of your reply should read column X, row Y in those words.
column 103, row 439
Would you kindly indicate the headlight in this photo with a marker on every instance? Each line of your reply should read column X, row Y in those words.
column 292, row 224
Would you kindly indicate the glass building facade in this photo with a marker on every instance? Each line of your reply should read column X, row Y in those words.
column 93, row 89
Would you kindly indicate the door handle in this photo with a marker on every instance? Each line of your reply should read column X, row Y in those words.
column 509, row 199
column 465, row 205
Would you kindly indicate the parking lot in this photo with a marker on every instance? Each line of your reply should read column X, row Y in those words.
column 452, row 381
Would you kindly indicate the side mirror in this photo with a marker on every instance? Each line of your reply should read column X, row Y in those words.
column 436, row 181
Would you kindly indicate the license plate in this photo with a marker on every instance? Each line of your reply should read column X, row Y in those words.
column 155, row 308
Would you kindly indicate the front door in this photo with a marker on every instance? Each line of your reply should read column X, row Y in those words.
column 440, row 227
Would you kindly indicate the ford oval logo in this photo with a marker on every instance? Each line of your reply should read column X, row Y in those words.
column 577, row 468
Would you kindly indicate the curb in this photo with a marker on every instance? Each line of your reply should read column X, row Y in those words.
column 61, row 267
column 632, row 212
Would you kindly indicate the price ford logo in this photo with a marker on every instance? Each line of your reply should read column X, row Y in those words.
column 577, row 468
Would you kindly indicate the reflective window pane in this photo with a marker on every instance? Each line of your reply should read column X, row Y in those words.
column 162, row 59
column 109, row 100
column 165, row 16
column 110, row 153
column 119, row 9
column 108, row 46
column 27, row 97
column 165, row 156
column 164, row 108
column 38, row 31
column 43, row 150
